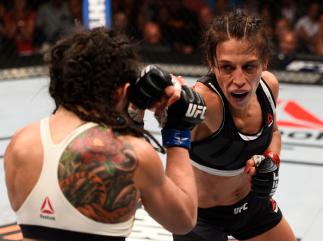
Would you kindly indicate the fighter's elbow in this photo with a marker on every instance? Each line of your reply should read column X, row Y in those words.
column 189, row 225
column 185, row 224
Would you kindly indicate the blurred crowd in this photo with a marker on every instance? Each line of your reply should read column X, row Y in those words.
column 31, row 26
column 27, row 26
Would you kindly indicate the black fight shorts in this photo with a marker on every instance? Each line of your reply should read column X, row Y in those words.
column 244, row 220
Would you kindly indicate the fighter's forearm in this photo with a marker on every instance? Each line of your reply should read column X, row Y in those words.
column 275, row 145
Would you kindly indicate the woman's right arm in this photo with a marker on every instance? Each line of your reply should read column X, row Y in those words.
column 169, row 195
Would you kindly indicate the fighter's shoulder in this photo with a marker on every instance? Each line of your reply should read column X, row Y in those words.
column 269, row 77
column 149, row 166
column 272, row 81
column 210, row 96
column 142, row 148
column 24, row 142
column 201, row 88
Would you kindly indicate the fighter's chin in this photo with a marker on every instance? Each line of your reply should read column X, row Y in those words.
column 239, row 102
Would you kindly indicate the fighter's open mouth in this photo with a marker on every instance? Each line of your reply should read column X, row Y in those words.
column 239, row 95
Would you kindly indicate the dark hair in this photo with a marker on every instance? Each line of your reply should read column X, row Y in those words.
column 238, row 25
column 86, row 69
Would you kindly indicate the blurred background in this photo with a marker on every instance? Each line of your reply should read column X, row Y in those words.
column 169, row 32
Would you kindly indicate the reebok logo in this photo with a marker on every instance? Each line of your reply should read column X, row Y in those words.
column 195, row 110
column 238, row 210
column 46, row 207
column 295, row 116
column 270, row 119
column 47, row 210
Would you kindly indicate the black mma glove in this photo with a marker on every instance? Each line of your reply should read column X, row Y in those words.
column 265, row 181
column 181, row 117
column 150, row 87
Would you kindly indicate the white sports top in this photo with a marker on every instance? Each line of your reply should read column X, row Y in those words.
column 46, row 204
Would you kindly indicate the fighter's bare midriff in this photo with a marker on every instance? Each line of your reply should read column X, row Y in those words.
column 220, row 190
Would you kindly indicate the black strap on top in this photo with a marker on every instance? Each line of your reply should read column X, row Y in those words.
column 54, row 234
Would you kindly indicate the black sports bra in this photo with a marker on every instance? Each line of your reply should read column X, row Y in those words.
column 226, row 151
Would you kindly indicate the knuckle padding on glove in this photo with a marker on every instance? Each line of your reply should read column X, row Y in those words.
column 149, row 87
column 157, row 82
column 266, row 166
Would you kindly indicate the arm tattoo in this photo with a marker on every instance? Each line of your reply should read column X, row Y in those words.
column 96, row 176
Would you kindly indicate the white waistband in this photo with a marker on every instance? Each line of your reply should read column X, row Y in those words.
column 217, row 172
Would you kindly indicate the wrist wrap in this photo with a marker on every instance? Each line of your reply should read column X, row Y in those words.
column 274, row 156
column 174, row 137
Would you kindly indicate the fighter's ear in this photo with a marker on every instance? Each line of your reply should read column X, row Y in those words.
column 265, row 65
column 211, row 64
column 121, row 96
column 122, row 91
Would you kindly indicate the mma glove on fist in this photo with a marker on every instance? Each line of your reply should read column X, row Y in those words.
column 150, row 87
column 186, row 112
column 181, row 117
column 178, row 119
column 265, row 181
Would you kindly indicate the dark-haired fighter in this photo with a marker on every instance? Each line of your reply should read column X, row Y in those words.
column 80, row 173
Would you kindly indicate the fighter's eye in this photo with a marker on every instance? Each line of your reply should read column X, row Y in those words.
column 250, row 68
column 227, row 68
